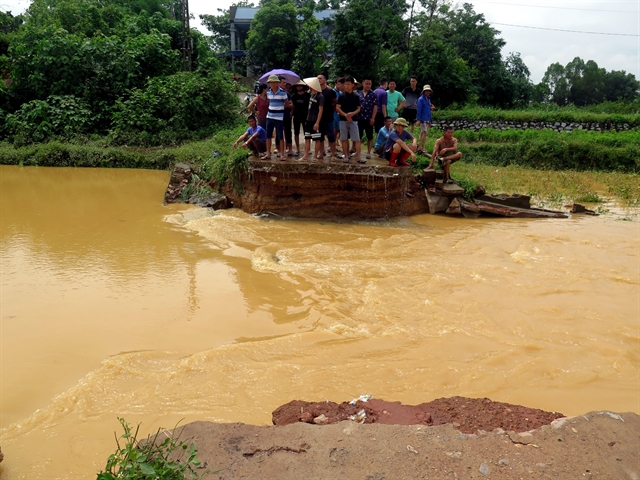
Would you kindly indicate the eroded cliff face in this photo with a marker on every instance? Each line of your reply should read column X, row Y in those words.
column 328, row 190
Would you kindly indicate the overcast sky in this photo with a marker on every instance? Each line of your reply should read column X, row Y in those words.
column 538, row 47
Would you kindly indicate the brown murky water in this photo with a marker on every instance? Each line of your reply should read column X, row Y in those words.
column 113, row 305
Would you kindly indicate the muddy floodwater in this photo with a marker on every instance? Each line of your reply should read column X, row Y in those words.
column 113, row 305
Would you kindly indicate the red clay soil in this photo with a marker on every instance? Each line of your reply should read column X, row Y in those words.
column 468, row 415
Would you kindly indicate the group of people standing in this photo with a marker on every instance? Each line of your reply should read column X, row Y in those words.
column 341, row 113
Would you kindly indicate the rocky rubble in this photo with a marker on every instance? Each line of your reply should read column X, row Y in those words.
column 476, row 125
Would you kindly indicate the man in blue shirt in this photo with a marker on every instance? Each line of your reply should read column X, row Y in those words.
column 383, row 134
column 424, row 115
column 381, row 95
column 278, row 101
column 254, row 138
column 396, row 149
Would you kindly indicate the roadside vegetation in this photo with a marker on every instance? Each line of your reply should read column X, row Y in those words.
column 161, row 457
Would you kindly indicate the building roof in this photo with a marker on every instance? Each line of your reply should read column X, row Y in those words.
column 245, row 14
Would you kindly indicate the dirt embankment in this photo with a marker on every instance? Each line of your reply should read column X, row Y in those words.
column 455, row 438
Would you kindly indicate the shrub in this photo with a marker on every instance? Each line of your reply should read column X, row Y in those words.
column 57, row 154
column 175, row 108
column 40, row 120
column 172, row 459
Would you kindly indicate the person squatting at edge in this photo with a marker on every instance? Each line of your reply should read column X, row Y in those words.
column 445, row 151
column 396, row 149
column 383, row 134
column 254, row 138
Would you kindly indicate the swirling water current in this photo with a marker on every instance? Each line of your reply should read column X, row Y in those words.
column 113, row 305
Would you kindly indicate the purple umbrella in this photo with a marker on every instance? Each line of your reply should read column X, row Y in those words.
column 292, row 77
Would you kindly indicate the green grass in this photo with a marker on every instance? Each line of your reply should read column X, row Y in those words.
column 169, row 459
column 549, row 150
column 542, row 114
column 549, row 186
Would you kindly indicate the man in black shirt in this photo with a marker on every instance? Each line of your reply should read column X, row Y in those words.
column 411, row 95
column 348, row 108
column 300, row 101
column 326, row 123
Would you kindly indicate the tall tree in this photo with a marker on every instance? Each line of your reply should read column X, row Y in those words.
column 362, row 29
column 556, row 84
column 273, row 37
column 220, row 28
column 519, row 72
column 621, row 86
column 479, row 45
column 312, row 49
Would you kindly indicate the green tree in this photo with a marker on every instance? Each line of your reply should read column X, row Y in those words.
column 555, row 82
column 312, row 49
column 621, row 87
column 273, row 37
column 219, row 27
column 519, row 72
column 355, row 39
column 436, row 62
column 476, row 42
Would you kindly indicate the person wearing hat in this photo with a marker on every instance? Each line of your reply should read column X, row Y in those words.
column 424, row 115
column 445, row 151
column 396, row 149
column 312, row 128
column 278, row 101
column 300, row 99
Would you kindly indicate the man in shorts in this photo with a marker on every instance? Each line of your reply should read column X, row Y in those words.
column 326, row 122
column 424, row 115
column 396, row 149
column 411, row 95
column 368, row 110
column 254, row 138
column 339, row 89
column 446, row 152
column 348, row 108
column 278, row 101
column 312, row 129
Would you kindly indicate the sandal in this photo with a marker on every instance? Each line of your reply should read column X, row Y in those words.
column 360, row 160
column 266, row 156
column 368, row 156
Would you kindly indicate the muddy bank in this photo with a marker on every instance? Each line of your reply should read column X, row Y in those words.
column 466, row 414
column 597, row 444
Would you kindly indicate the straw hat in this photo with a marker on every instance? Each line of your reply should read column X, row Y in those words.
column 401, row 121
column 273, row 78
column 427, row 87
column 313, row 83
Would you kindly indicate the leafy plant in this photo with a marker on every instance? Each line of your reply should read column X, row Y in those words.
column 149, row 460
column 164, row 111
column 57, row 116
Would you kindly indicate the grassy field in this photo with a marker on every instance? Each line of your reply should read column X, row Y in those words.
column 548, row 150
column 551, row 167
column 544, row 114
column 553, row 187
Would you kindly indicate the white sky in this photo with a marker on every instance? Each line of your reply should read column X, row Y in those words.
column 538, row 48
